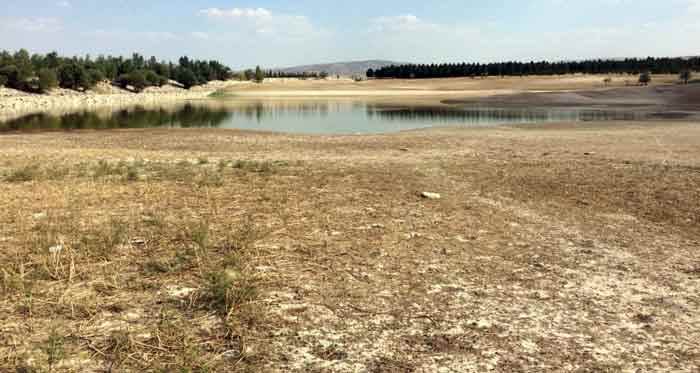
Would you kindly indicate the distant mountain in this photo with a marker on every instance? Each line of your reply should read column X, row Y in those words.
column 341, row 68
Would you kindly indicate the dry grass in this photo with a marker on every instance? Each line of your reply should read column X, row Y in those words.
column 218, row 251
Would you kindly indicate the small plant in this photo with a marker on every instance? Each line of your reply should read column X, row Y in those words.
column 132, row 173
column 229, row 289
column 210, row 178
column 118, row 347
column 54, row 349
column 24, row 174
column 200, row 235
column 102, row 242
column 153, row 267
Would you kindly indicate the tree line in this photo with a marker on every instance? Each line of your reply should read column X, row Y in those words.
column 42, row 72
column 620, row 66
column 297, row 75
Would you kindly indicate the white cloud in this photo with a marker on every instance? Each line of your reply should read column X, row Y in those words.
column 32, row 24
column 400, row 23
column 263, row 22
column 237, row 13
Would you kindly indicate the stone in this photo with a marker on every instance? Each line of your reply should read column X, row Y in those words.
column 56, row 249
column 430, row 195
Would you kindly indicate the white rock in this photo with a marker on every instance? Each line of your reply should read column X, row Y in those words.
column 430, row 195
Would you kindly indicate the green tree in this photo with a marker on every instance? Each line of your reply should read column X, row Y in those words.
column 259, row 75
column 66, row 76
column 187, row 78
column 13, row 77
column 137, row 79
column 685, row 76
column 645, row 78
column 152, row 78
column 47, row 80
column 84, row 80
column 95, row 76
column 73, row 76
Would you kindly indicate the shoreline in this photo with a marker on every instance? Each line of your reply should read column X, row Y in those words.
column 14, row 103
column 566, row 91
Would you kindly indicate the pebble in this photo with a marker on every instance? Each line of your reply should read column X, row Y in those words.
column 430, row 195
column 56, row 249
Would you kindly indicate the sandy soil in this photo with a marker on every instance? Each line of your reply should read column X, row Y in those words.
column 558, row 248
column 669, row 96
column 456, row 87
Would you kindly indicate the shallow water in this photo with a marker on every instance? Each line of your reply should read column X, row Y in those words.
column 313, row 117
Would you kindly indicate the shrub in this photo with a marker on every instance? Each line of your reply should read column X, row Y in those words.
column 645, row 78
column 95, row 76
column 135, row 79
column 187, row 78
column 154, row 80
column 3, row 80
column 138, row 81
column 47, row 80
column 74, row 76
column 685, row 76
column 12, row 77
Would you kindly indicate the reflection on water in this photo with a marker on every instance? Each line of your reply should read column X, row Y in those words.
column 307, row 117
column 137, row 117
column 491, row 116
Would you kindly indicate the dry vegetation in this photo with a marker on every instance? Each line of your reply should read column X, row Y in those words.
column 558, row 248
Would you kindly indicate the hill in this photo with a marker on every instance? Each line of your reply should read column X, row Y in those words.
column 341, row 68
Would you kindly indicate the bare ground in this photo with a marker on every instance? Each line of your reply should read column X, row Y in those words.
column 553, row 248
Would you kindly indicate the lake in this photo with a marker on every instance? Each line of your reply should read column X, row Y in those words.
column 309, row 117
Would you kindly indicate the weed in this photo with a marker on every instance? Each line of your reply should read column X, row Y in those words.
column 222, row 165
column 53, row 347
column 210, row 178
column 229, row 289
column 199, row 235
column 132, row 173
column 23, row 174
column 255, row 166
column 153, row 267
column 103, row 242
column 118, row 347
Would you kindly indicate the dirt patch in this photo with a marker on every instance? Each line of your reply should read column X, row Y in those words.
column 558, row 246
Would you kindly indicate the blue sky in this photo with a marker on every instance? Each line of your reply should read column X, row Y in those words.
column 276, row 33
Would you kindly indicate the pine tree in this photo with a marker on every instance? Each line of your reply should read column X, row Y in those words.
column 259, row 76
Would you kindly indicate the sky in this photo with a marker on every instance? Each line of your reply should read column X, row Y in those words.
column 279, row 33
